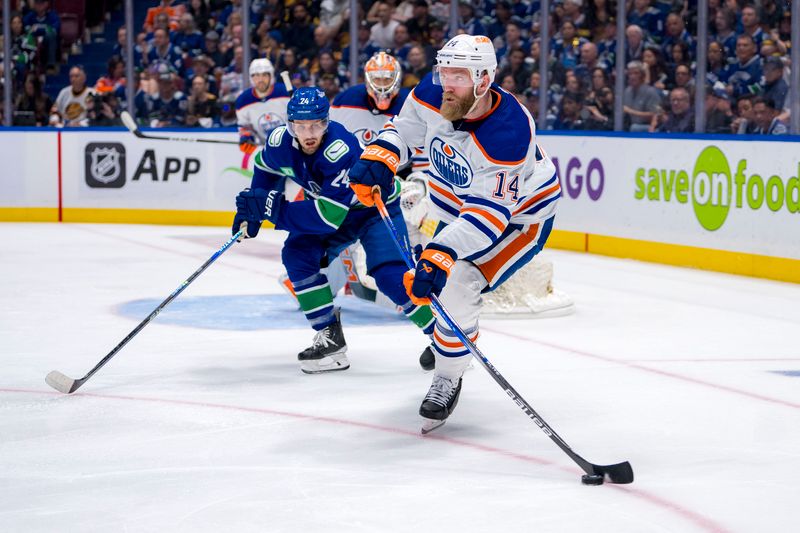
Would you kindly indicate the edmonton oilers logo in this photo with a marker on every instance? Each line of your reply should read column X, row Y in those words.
column 267, row 121
column 365, row 136
column 449, row 164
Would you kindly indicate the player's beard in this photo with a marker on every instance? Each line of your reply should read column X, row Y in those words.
column 457, row 109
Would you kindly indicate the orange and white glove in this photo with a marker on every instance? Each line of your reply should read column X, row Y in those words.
column 430, row 276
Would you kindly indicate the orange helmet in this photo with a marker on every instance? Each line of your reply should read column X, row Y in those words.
column 383, row 74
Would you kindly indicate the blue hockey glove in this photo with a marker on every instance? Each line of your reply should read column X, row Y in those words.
column 253, row 206
column 377, row 166
column 430, row 276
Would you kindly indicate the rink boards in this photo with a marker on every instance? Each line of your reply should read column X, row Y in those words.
column 723, row 203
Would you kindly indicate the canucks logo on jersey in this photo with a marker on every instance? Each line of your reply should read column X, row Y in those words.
column 450, row 164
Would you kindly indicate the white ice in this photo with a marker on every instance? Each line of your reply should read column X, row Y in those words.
column 198, row 428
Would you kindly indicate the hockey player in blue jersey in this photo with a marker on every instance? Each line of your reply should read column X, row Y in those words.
column 317, row 154
column 492, row 187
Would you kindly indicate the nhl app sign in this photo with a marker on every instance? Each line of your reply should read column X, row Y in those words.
column 105, row 165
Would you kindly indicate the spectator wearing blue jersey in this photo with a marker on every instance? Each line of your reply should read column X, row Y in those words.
column 45, row 24
column 646, row 17
column 468, row 22
column 725, row 34
column 773, row 86
column 676, row 32
column 187, row 38
column 513, row 38
column 744, row 75
column 751, row 24
column 765, row 117
column 716, row 71
column 566, row 46
column 164, row 51
column 122, row 42
column 402, row 44
column 165, row 109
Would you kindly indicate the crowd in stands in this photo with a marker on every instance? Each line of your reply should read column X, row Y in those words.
column 189, row 59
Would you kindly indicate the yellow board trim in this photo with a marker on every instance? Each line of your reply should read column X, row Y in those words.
column 760, row 266
column 28, row 214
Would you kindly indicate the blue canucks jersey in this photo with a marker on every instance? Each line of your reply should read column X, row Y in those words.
column 322, row 175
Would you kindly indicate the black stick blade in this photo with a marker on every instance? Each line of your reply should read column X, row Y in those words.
column 621, row 473
column 62, row 383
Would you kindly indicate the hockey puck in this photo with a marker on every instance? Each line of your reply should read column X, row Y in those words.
column 592, row 479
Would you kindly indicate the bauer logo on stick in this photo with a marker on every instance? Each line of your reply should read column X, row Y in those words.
column 105, row 165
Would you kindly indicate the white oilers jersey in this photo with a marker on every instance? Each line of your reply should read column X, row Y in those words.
column 256, row 116
column 485, row 174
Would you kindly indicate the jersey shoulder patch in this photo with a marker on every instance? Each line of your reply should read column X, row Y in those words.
column 505, row 136
column 428, row 94
column 355, row 96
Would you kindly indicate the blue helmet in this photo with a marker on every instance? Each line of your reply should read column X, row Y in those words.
column 308, row 103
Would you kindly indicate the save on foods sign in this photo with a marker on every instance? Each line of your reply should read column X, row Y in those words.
column 682, row 196
column 715, row 185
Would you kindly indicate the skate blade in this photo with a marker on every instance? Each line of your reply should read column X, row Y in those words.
column 429, row 425
column 326, row 364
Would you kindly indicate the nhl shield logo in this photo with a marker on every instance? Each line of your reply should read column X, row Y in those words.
column 105, row 165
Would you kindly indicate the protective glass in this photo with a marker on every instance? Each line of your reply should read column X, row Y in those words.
column 452, row 77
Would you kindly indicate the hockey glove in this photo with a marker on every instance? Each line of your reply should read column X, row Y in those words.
column 377, row 166
column 253, row 206
column 430, row 276
column 247, row 144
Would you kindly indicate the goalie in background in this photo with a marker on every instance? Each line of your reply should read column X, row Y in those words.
column 492, row 187
column 317, row 155
column 260, row 108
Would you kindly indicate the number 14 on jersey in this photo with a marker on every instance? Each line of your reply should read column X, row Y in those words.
column 506, row 186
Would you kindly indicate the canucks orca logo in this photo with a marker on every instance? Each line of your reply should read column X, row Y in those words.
column 267, row 121
column 365, row 136
column 450, row 164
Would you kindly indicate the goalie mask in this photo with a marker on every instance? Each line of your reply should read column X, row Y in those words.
column 382, row 75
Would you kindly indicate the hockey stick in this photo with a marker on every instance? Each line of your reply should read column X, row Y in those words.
column 620, row 473
column 287, row 81
column 67, row 385
column 127, row 119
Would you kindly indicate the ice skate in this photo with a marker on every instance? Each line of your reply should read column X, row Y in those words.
column 440, row 402
column 328, row 352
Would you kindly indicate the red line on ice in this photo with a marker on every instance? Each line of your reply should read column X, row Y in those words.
column 705, row 523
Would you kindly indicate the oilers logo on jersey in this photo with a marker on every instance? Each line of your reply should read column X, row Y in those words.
column 268, row 121
column 450, row 164
column 365, row 135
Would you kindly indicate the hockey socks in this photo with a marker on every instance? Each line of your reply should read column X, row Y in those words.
column 316, row 300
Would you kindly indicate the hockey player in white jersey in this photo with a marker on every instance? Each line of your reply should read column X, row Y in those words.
column 493, row 189
column 261, row 107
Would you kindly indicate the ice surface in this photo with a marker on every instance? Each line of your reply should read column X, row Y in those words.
column 204, row 422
